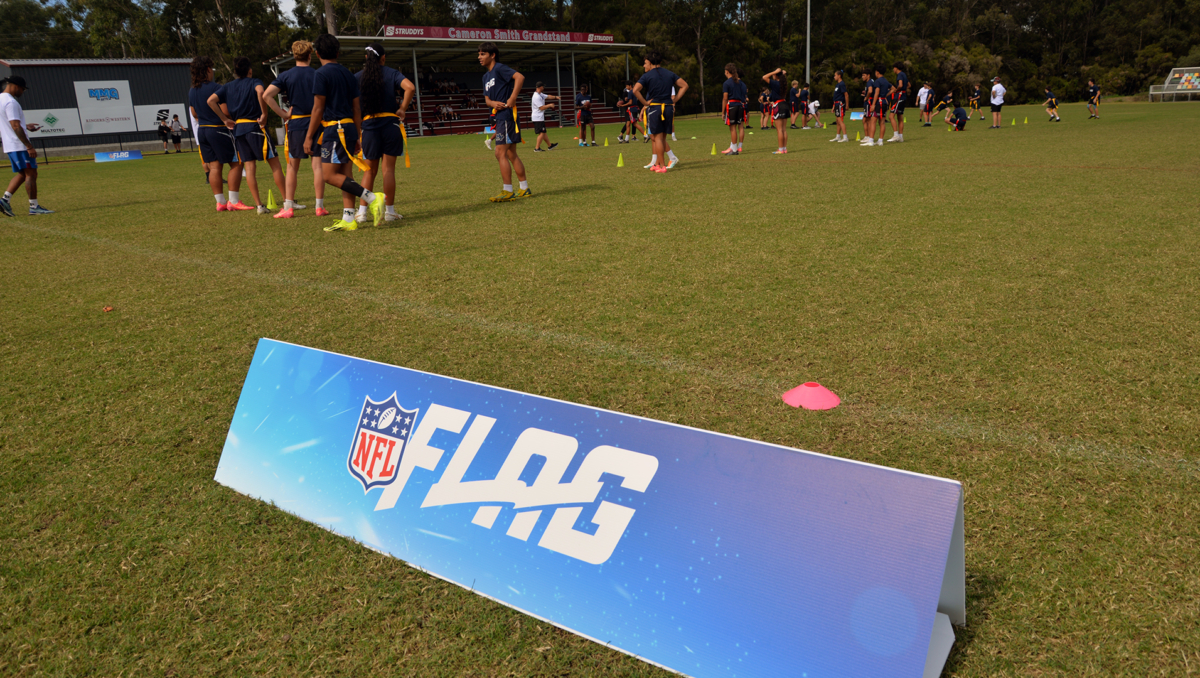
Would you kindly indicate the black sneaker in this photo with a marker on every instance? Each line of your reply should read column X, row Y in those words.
column 551, row 147
column 539, row 150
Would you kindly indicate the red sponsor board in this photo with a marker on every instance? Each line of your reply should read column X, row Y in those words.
column 493, row 34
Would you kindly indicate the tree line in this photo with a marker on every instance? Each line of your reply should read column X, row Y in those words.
column 1125, row 46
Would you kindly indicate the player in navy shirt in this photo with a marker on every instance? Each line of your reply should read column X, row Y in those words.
column 973, row 102
column 879, row 104
column 632, row 113
column 764, row 108
column 777, row 85
column 794, row 103
column 899, row 98
column 216, row 142
column 839, row 106
column 1093, row 100
column 247, row 117
column 583, row 115
column 296, row 84
column 959, row 118
column 337, row 114
column 1051, row 105
column 659, row 90
column 383, row 119
column 733, row 103
column 501, row 85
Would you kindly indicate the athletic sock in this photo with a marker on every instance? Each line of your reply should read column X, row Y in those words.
column 508, row 188
column 653, row 159
column 320, row 203
column 235, row 196
column 671, row 156
column 525, row 185
column 368, row 197
column 221, row 199
column 353, row 188
column 289, row 204
column 32, row 203
column 7, row 195
column 362, row 209
column 347, row 214
column 390, row 209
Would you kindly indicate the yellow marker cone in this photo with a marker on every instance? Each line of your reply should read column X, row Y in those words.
column 606, row 142
column 1026, row 120
column 714, row 150
column 950, row 128
column 271, row 200
column 1014, row 122
column 620, row 160
column 857, row 137
column 904, row 119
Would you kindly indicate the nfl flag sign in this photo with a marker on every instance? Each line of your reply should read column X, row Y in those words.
column 383, row 428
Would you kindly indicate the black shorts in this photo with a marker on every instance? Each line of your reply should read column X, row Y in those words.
column 255, row 146
column 634, row 113
column 779, row 110
column 839, row 109
column 296, row 134
column 928, row 107
column 508, row 132
column 878, row 108
column 585, row 117
column 960, row 125
column 735, row 113
column 332, row 150
column 539, row 126
column 216, row 145
column 800, row 108
column 996, row 107
column 898, row 105
column 660, row 118
column 381, row 140
column 175, row 139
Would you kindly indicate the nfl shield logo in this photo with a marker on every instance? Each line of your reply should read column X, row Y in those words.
column 383, row 429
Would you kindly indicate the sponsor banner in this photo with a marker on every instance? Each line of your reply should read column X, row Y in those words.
column 53, row 122
column 117, row 156
column 147, row 117
column 707, row 554
column 494, row 34
column 105, row 106
column 856, row 115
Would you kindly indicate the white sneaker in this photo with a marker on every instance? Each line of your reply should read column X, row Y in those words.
column 362, row 218
column 488, row 143
column 673, row 137
column 298, row 206
column 843, row 140
column 867, row 142
column 892, row 139
column 262, row 209
column 650, row 166
column 388, row 216
column 673, row 163
column 837, row 138
column 879, row 142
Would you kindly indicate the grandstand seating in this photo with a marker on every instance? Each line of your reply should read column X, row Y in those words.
column 473, row 119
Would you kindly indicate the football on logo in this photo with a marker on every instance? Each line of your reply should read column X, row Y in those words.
column 382, row 430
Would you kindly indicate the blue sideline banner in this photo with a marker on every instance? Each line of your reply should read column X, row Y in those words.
column 117, row 156
column 703, row 553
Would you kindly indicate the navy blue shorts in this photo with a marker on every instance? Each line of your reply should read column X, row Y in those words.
column 779, row 110
column 332, row 150
column 507, row 130
column 21, row 161
column 634, row 113
column 216, row 145
column 660, row 118
column 735, row 113
column 585, row 117
column 250, row 146
column 296, row 133
column 381, row 140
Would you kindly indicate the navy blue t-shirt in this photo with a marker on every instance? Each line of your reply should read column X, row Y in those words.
column 656, row 85
column 340, row 89
column 901, row 84
column 778, row 89
column 391, row 86
column 1049, row 95
column 948, row 99
column 1093, row 92
column 804, row 95
column 977, row 94
column 839, row 93
column 198, row 99
column 581, row 98
column 882, row 86
column 242, row 99
column 960, row 113
column 297, row 84
column 736, row 89
column 498, row 82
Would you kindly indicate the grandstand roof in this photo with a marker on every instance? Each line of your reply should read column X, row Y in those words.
column 456, row 48
column 91, row 62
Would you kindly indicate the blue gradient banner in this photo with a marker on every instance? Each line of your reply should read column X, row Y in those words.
column 704, row 553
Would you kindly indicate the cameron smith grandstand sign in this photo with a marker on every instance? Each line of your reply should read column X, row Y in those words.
column 492, row 34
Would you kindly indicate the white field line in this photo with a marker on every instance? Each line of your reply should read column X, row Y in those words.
column 953, row 426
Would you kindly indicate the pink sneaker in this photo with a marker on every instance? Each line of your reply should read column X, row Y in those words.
column 321, row 212
column 221, row 207
column 727, row 151
column 660, row 169
column 284, row 214
column 238, row 207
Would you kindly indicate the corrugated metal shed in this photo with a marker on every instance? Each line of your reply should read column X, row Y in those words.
column 151, row 81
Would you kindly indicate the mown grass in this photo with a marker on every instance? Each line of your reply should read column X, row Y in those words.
column 1014, row 309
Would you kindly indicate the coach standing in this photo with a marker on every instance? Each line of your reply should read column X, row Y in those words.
column 19, row 148
column 997, row 101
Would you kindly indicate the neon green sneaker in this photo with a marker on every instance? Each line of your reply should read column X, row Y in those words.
column 503, row 196
column 376, row 209
column 523, row 193
column 340, row 225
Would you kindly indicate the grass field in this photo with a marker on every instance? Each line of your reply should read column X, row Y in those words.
column 1014, row 309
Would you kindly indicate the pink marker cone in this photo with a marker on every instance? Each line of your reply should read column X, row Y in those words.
column 812, row 396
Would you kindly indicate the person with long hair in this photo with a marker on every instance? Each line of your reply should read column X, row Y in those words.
column 216, row 141
column 663, row 89
column 733, row 103
column 777, row 84
column 337, row 115
column 297, row 84
column 247, row 117
column 501, row 86
column 383, row 137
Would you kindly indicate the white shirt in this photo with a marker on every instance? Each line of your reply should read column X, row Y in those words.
column 537, row 114
column 11, row 110
column 922, row 95
column 998, row 94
